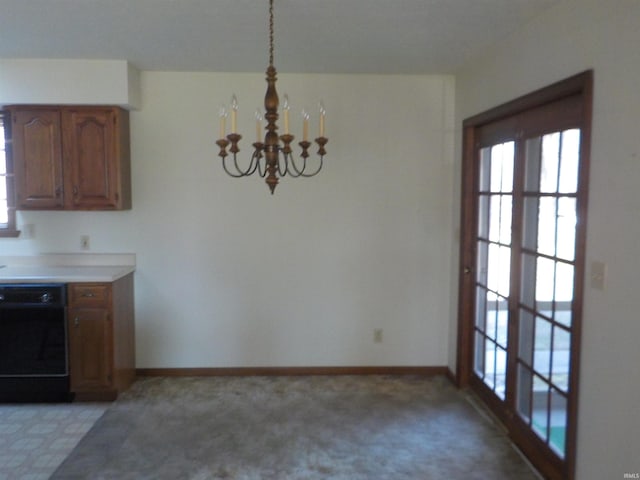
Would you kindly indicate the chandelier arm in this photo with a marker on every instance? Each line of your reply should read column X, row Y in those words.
column 262, row 169
column 301, row 172
column 283, row 166
column 250, row 169
column 237, row 174
column 296, row 172
column 307, row 175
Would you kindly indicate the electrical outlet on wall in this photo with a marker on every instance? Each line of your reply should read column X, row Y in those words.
column 377, row 335
column 28, row 231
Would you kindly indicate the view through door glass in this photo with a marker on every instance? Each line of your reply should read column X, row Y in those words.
column 495, row 203
column 547, row 277
column 547, row 284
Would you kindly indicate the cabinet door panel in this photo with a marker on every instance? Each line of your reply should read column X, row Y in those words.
column 91, row 156
column 37, row 154
column 90, row 349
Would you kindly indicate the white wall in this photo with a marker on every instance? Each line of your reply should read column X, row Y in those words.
column 229, row 275
column 64, row 81
column 575, row 36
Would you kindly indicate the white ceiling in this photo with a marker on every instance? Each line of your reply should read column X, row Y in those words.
column 333, row 36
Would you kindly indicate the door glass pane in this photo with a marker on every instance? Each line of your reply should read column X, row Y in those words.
column 547, row 226
column 490, row 363
column 496, row 168
column 542, row 350
column 490, row 317
column 566, row 244
column 550, row 163
column 569, row 161
column 539, row 415
column 544, row 286
column 499, row 269
column 507, row 167
column 494, row 218
column 493, row 267
column 564, row 293
column 501, row 372
column 558, row 426
column 502, row 167
column 564, row 283
column 561, row 355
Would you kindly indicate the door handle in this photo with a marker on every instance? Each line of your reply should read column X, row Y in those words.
column 467, row 270
column 76, row 322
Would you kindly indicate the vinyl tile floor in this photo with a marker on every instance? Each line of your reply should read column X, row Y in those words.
column 36, row 438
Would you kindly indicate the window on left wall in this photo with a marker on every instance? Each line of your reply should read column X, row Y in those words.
column 7, row 193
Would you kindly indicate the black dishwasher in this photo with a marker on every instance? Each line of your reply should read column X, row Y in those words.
column 33, row 343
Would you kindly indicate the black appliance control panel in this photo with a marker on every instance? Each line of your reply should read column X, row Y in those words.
column 32, row 294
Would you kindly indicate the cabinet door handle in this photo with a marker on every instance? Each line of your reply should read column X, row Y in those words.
column 75, row 190
column 87, row 295
column 58, row 191
column 76, row 322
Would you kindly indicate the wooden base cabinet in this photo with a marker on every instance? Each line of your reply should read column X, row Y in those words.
column 101, row 338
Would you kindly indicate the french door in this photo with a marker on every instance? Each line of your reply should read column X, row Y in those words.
column 522, row 256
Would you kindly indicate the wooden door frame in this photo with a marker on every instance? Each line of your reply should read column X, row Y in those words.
column 580, row 84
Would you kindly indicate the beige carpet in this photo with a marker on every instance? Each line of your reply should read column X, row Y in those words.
column 346, row 427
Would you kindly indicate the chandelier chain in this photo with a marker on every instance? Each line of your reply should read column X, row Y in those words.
column 271, row 32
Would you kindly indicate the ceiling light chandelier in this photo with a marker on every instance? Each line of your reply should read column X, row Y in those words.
column 271, row 158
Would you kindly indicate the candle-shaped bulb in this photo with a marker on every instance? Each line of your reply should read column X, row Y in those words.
column 322, row 114
column 223, row 119
column 285, row 113
column 258, row 125
column 234, row 114
column 305, row 125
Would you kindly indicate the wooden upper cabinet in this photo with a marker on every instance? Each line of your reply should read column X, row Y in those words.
column 81, row 158
column 37, row 152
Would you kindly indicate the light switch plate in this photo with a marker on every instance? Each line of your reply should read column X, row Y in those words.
column 598, row 275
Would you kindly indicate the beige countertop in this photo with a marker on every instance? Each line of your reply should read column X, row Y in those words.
column 65, row 268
